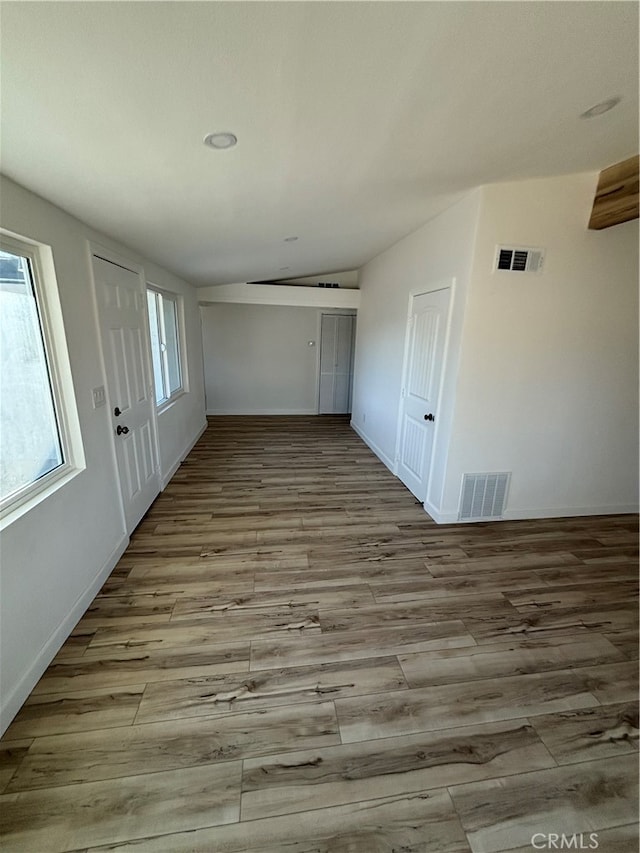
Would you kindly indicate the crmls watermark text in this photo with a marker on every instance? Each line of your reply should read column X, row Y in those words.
column 557, row 841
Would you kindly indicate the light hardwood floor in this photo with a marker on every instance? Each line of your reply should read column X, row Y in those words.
column 292, row 657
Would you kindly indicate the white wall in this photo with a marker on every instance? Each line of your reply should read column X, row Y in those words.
column 56, row 556
column 548, row 380
column 281, row 294
column 542, row 371
column 257, row 358
column 437, row 254
column 182, row 422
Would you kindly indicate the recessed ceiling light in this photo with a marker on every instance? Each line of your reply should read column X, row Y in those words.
column 290, row 239
column 599, row 109
column 220, row 140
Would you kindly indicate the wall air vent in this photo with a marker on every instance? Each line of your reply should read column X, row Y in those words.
column 518, row 259
column 483, row 496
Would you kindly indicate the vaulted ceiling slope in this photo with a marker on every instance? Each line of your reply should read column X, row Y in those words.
column 356, row 121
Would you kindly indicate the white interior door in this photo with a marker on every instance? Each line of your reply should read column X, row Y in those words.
column 421, row 388
column 336, row 363
column 121, row 308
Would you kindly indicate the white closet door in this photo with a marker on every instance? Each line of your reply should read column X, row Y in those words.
column 336, row 363
column 327, row 361
column 426, row 334
column 122, row 309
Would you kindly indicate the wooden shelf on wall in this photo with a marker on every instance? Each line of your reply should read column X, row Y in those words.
column 616, row 198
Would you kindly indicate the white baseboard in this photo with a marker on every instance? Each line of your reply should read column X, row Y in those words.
column 526, row 514
column 12, row 703
column 440, row 517
column 382, row 456
column 260, row 412
column 569, row 512
column 187, row 450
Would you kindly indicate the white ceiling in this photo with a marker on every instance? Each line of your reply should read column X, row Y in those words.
column 356, row 121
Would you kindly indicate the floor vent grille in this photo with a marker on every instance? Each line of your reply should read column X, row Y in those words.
column 483, row 496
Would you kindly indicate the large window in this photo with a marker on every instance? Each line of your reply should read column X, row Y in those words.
column 35, row 447
column 165, row 344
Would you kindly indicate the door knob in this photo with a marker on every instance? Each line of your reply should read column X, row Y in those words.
column 429, row 417
column 117, row 412
column 120, row 430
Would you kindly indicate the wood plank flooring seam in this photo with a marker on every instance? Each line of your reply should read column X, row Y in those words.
column 595, row 795
column 142, row 773
column 226, row 714
column 8, row 781
column 351, row 775
column 550, row 671
column 329, row 808
column 134, row 721
column 574, row 765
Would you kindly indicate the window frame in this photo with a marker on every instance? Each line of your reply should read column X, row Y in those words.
column 45, row 289
column 177, row 301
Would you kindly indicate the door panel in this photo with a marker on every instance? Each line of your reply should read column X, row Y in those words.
column 121, row 310
column 327, row 360
column 423, row 374
column 336, row 363
column 412, row 458
column 138, row 360
column 131, row 483
column 327, row 343
column 422, row 355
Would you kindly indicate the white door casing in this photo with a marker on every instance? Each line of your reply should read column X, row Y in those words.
column 121, row 304
column 336, row 363
column 426, row 335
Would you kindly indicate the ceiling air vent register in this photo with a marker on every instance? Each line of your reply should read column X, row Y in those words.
column 518, row 259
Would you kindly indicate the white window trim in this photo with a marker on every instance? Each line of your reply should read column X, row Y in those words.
column 62, row 390
column 177, row 299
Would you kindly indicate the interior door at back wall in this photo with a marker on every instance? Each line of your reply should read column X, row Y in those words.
column 336, row 363
column 121, row 308
column 426, row 332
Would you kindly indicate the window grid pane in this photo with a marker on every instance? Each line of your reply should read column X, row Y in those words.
column 171, row 340
column 154, row 330
column 165, row 345
column 30, row 443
